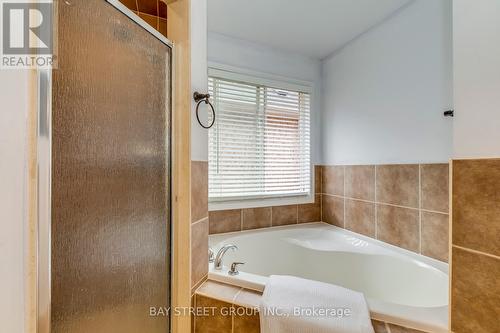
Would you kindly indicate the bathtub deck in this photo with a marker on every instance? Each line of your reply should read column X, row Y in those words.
column 221, row 295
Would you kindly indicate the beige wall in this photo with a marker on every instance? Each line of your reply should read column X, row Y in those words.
column 404, row 205
column 476, row 57
column 475, row 267
column 14, row 96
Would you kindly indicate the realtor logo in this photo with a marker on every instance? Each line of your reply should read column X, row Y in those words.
column 27, row 34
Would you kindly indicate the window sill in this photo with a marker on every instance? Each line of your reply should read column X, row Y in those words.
column 257, row 203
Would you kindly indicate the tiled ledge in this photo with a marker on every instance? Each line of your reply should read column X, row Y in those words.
column 219, row 296
column 381, row 327
column 243, row 304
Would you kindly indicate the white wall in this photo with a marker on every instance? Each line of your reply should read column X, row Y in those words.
column 13, row 115
column 245, row 55
column 476, row 30
column 199, row 78
column 385, row 92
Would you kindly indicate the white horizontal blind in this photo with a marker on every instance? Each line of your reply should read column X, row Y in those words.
column 259, row 146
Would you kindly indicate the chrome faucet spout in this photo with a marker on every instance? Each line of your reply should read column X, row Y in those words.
column 221, row 253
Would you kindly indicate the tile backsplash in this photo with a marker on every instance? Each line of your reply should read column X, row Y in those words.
column 254, row 218
column 404, row 205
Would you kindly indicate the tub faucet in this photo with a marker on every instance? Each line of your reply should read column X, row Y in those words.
column 221, row 253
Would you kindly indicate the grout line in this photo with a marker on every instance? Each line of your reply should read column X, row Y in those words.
column 272, row 209
column 198, row 284
column 241, row 219
column 200, row 220
column 345, row 201
column 147, row 14
column 233, row 306
column 232, row 313
column 420, row 208
column 386, row 204
column 158, row 14
column 232, row 323
column 321, row 207
column 236, row 295
column 349, row 198
column 216, row 296
column 476, row 252
column 321, row 195
column 322, row 178
column 434, row 211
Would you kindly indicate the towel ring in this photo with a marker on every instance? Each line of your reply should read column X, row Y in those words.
column 198, row 98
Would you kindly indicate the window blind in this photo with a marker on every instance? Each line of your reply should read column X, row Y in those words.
column 259, row 146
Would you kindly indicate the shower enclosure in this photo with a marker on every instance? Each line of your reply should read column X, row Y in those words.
column 104, row 174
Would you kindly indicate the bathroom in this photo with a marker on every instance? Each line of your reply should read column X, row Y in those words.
column 210, row 165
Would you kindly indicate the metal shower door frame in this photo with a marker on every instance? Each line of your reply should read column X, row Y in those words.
column 44, row 176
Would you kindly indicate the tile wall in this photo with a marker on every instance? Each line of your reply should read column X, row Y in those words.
column 199, row 222
column 475, row 264
column 403, row 205
column 154, row 12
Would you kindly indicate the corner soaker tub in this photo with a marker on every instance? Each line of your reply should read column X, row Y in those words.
column 401, row 287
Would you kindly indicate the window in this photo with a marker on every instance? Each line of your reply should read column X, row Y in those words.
column 259, row 146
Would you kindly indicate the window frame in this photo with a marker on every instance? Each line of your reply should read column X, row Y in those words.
column 275, row 81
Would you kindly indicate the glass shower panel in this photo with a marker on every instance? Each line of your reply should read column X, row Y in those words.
column 110, row 231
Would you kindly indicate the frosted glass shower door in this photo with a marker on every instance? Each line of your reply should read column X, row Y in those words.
column 110, row 225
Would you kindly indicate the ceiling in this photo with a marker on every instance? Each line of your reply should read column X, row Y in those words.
column 315, row 28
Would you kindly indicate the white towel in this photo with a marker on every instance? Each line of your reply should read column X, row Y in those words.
column 294, row 305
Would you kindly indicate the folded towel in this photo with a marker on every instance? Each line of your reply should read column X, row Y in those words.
column 294, row 305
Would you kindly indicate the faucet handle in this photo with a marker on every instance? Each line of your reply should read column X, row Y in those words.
column 211, row 255
column 234, row 268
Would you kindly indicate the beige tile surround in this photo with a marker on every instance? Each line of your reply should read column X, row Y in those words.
column 404, row 205
column 255, row 218
column 199, row 223
column 220, row 297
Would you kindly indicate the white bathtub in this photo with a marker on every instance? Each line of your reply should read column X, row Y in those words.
column 401, row 287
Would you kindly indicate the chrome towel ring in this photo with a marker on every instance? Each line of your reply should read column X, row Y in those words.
column 198, row 98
